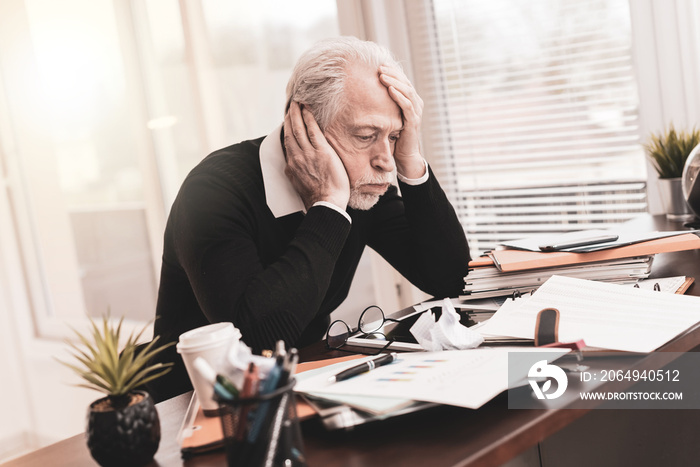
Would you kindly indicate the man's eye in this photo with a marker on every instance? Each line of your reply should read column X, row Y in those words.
column 365, row 138
column 394, row 138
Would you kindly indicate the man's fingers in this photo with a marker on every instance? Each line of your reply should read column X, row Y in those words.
column 298, row 126
column 398, row 78
column 400, row 98
column 292, row 147
column 395, row 72
column 313, row 131
column 304, row 127
column 290, row 141
column 402, row 92
column 412, row 111
column 405, row 87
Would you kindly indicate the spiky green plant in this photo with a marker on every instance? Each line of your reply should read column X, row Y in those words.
column 107, row 370
column 668, row 150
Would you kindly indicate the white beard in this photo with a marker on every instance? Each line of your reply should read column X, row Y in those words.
column 365, row 201
column 362, row 201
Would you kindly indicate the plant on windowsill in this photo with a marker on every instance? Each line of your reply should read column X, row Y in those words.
column 668, row 151
column 123, row 428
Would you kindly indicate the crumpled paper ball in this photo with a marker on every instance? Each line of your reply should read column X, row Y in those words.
column 446, row 333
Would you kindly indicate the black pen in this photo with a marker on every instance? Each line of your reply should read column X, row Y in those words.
column 363, row 367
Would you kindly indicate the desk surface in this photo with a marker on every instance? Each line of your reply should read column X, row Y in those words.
column 441, row 436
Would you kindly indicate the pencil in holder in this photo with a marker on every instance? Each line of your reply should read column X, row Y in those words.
column 262, row 430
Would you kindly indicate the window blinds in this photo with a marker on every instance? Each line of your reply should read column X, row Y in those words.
column 531, row 113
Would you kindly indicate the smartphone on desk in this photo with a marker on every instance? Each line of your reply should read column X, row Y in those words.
column 574, row 243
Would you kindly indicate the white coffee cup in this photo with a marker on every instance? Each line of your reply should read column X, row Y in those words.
column 211, row 343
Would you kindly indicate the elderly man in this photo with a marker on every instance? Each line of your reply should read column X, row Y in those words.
column 268, row 233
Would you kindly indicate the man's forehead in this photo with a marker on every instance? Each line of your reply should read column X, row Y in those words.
column 367, row 104
column 376, row 126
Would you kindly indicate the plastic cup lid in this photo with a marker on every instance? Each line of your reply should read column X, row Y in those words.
column 205, row 336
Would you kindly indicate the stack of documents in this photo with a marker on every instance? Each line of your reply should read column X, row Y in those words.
column 489, row 281
column 522, row 266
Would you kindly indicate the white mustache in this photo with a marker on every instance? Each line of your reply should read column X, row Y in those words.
column 386, row 177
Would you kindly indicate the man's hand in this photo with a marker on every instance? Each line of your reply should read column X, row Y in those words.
column 313, row 166
column 409, row 161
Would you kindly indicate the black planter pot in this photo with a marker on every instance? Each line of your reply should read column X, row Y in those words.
column 124, row 436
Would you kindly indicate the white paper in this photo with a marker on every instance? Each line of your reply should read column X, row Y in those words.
column 374, row 405
column 607, row 316
column 464, row 378
column 446, row 333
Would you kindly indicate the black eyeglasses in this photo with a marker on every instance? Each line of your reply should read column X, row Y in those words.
column 372, row 320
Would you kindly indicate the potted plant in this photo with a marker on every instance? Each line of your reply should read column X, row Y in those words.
column 123, row 428
column 668, row 151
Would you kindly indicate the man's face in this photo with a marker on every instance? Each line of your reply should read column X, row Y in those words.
column 364, row 135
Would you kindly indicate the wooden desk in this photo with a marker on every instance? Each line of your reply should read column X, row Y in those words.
column 449, row 436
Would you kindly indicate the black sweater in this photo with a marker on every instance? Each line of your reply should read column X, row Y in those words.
column 227, row 258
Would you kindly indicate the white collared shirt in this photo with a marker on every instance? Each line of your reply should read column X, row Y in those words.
column 282, row 198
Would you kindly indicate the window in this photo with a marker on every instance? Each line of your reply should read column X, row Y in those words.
column 109, row 105
column 531, row 117
column 216, row 72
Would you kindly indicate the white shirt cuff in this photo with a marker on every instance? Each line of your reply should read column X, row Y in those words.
column 415, row 181
column 334, row 207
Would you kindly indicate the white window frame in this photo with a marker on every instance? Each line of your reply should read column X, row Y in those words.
column 666, row 54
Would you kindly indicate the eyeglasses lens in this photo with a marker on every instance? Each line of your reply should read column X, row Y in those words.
column 338, row 334
column 371, row 320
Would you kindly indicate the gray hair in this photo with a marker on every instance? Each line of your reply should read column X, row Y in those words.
column 318, row 79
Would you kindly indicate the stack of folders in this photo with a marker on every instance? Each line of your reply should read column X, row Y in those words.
column 522, row 266
column 489, row 281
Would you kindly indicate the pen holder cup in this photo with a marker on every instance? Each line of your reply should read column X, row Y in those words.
column 262, row 430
